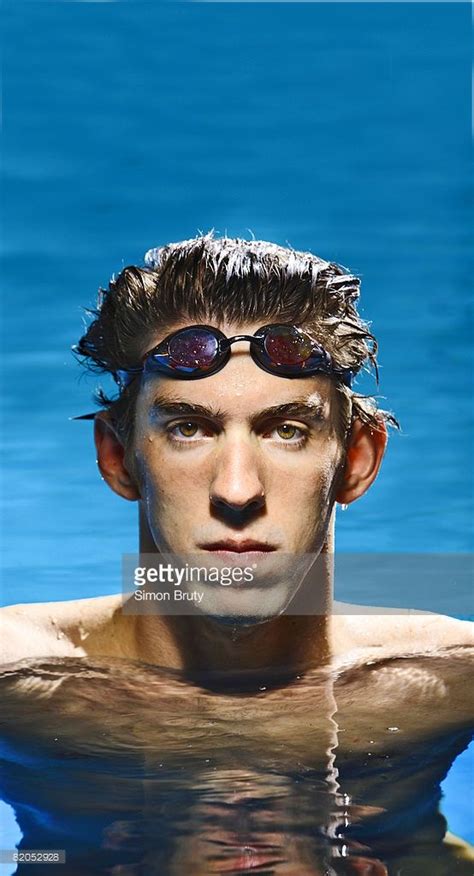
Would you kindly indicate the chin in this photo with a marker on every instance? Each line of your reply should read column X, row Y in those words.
column 232, row 607
column 239, row 620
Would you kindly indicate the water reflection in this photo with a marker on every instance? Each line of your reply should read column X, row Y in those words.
column 133, row 770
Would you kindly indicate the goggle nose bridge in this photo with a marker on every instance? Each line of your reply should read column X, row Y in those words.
column 226, row 343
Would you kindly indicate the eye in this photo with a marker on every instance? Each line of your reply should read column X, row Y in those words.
column 288, row 433
column 187, row 431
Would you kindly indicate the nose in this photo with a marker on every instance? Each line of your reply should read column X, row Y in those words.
column 237, row 489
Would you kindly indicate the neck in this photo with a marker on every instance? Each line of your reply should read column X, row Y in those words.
column 199, row 644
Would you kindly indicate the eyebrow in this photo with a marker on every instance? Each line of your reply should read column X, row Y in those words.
column 300, row 408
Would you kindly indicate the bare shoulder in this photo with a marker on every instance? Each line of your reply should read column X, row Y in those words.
column 426, row 630
column 389, row 632
column 53, row 628
column 413, row 664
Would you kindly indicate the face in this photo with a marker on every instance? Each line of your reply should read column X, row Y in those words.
column 239, row 468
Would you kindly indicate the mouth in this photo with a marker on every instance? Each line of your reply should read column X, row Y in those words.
column 232, row 546
column 239, row 552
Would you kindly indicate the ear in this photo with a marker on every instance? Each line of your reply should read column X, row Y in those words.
column 110, row 458
column 365, row 450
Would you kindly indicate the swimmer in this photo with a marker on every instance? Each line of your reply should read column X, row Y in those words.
column 237, row 431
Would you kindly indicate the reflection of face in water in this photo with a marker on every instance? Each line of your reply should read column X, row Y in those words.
column 126, row 766
column 230, row 469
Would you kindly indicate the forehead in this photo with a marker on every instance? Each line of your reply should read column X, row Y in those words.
column 240, row 389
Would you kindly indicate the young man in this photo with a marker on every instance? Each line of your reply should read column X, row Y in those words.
column 236, row 430
column 235, row 453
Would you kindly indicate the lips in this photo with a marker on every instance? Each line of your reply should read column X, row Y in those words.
column 239, row 547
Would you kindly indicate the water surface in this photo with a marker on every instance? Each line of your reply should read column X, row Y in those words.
column 135, row 770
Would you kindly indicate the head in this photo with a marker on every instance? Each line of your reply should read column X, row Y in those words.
column 242, row 457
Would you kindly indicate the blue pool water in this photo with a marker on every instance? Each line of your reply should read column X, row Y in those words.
column 343, row 129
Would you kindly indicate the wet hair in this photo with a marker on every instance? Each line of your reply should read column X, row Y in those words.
column 212, row 280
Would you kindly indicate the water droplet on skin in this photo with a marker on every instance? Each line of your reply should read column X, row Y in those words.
column 393, row 729
column 54, row 624
column 82, row 633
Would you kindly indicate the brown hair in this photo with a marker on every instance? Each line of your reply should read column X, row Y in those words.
column 208, row 279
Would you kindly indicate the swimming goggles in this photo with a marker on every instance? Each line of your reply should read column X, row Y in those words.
column 198, row 351
column 201, row 350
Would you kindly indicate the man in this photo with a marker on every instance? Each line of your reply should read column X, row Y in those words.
column 237, row 430
column 244, row 463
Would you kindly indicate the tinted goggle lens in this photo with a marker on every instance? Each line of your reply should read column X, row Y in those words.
column 193, row 349
column 287, row 346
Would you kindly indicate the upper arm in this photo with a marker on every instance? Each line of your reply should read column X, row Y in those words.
column 437, row 630
column 11, row 638
column 21, row 637
column 399, row 631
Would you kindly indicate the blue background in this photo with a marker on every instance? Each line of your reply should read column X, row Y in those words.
column 343, row 129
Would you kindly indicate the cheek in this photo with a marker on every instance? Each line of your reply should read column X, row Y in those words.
column 169, row 485
column 302, row 498
column 308, row 478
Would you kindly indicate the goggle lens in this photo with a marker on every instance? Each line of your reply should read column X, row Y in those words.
column 287, row 346
column 193, row 349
